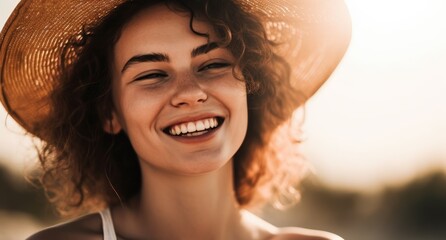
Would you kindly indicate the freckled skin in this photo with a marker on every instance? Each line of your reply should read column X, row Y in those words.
column 187, row 186
column 180, row 87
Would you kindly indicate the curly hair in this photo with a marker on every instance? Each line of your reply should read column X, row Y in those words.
column 85, row 168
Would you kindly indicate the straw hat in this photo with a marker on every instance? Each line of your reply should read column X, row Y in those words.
column 315, row 34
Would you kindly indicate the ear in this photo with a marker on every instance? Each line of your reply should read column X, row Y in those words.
column 112, row 125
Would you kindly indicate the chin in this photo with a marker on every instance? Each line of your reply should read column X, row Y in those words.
column 205, row 166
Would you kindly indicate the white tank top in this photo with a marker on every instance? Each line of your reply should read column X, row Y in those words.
column 107, row 225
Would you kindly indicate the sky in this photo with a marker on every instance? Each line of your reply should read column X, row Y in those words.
column 380, row 119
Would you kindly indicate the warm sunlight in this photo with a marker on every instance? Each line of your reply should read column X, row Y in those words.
column 375, row 135
column 380, row 118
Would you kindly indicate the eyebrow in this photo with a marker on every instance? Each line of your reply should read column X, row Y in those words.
column 161, row 57
column 203, row 49
column 150, row 57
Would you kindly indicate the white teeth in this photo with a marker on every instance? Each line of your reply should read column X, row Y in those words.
column 200, row 126
column 191, row 127
column 183, row 128
column 177, row 130
column 194, row 128
column 195, row 134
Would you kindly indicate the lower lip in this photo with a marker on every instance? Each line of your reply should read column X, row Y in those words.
column 197, row 139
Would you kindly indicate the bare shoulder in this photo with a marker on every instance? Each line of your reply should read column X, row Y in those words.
column 88, row 227
column 295, row 233
column 264, row 230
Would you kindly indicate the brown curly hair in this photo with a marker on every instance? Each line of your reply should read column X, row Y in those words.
column 83, row 167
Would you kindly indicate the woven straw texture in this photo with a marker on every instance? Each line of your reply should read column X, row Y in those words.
column 314, row 35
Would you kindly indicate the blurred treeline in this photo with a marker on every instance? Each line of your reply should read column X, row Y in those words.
column 416, row 210
column 19, row 195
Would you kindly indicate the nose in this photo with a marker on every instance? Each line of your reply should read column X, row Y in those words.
column 188, row 93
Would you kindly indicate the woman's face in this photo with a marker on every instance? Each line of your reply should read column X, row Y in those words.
column 175, row 96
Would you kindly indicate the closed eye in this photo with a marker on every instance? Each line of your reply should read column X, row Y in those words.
column 151, row 76
column 215, row 65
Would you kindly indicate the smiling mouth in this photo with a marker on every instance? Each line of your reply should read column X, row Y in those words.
column 194, row 128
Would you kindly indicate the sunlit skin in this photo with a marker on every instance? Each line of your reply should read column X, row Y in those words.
column 152, row 95
column 187, row 189
column 180, row 174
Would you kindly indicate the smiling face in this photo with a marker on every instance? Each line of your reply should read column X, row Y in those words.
column 175, row 94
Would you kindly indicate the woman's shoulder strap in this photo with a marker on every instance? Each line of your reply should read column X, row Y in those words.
column 107, row 225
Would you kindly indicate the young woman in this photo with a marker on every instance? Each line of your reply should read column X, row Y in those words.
column 170, row 118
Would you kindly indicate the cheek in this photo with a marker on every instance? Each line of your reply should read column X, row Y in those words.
column 236, row 97
column 239, row 110
column 243, row 117
column 242, row 110
column 138, row 109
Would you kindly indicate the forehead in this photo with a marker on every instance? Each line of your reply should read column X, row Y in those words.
column 162, row 21
column 159, row 27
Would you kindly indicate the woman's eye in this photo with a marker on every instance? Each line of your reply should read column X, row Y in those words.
column 151, row 76
column 216, row 65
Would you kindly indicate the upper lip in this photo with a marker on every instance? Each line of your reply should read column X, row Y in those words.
column 190, row 118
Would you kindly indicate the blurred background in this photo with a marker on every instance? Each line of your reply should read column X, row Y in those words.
column 375, row 135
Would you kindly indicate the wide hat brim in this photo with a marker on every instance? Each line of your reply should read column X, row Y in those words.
column 314, row 35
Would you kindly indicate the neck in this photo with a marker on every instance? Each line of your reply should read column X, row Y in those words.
column 189, row 207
